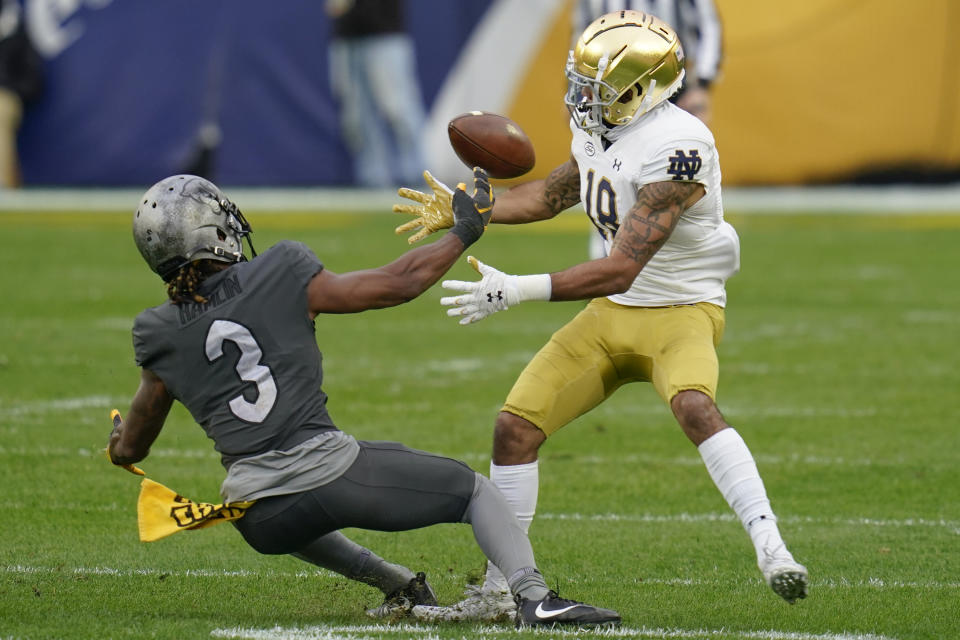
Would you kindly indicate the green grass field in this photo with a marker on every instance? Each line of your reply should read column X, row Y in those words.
column 839, row 367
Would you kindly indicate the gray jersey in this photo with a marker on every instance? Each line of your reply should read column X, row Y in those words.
column 245, row 364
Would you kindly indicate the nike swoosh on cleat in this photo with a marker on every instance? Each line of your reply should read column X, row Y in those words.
column 546, row 615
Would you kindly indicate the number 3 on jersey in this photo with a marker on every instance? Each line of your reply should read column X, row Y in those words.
column 248, row 367
column 601, row 205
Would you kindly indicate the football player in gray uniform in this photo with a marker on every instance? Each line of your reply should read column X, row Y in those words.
column 235, row 343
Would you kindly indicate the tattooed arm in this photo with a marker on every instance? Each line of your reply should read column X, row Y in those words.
column 539, row 199
column 642, row 232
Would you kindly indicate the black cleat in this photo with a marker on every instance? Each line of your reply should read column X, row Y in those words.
column 554, row 610
column 399, row 603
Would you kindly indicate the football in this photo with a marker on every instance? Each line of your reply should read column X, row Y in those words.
column 492, row 142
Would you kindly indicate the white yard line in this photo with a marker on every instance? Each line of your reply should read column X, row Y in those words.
column 83, row 452
column 455, row 366
column 356, row 632
column 147, row 571
column 314, row 574
column 50, row 406
column 951, row 525
column 729, row 517
column 878, row 200
column 696, row 461
column 484, row 457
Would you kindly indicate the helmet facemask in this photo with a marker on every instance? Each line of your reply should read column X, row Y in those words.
column 623, row 65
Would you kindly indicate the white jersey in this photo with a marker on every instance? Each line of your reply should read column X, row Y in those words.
column 664, row 144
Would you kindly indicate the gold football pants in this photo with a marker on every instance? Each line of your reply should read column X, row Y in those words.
column 608, row 345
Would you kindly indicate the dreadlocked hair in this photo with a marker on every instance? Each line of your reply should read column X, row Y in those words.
column 182, row 286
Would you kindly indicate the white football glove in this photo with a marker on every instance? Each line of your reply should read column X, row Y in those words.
column 496, row 291
column 434, row 211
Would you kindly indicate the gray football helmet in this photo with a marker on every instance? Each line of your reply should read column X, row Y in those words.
column 185, row 218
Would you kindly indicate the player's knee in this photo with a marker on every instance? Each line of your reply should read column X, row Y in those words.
column 515, row 440
column 697, row 414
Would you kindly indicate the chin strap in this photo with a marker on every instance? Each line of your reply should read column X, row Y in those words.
column 220, row 252
column 647, row 100
column 602, row 67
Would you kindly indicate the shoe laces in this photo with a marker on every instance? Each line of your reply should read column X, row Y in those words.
column 554, row 598
column 410, row 594
column 776, row 553
column 418, row 581
column 417, row 591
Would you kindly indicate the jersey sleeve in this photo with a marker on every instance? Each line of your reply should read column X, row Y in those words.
column 298, row 260
column 683, row 159
column 147, row 345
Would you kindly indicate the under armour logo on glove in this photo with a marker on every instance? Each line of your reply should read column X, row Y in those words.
column 480, row 299
column 496, row 291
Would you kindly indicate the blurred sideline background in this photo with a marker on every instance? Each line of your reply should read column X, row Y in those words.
column 823, row 92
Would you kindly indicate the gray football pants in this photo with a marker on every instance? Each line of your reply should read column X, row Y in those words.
column 390, row 487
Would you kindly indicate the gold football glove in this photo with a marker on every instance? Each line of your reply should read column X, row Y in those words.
column 434, row 212
column 117, row 421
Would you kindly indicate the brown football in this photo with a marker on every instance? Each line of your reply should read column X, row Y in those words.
column 492, row 142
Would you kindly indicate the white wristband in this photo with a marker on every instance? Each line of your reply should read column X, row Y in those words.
column 536, row 287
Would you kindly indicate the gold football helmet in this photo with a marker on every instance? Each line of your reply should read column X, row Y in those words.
column 624, row 64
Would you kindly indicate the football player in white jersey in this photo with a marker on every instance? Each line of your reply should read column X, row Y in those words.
column 648, row 175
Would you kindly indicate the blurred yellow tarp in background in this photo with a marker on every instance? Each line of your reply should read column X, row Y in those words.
column 814, row 91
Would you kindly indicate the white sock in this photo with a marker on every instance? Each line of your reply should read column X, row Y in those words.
column 519, row 484
column 734, row 471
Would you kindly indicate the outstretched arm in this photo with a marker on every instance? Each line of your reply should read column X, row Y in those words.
column 644, row 230
column 412, row 273
column 540, row 199
column 395, row 283
column 131, row 439
column 527, row 202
